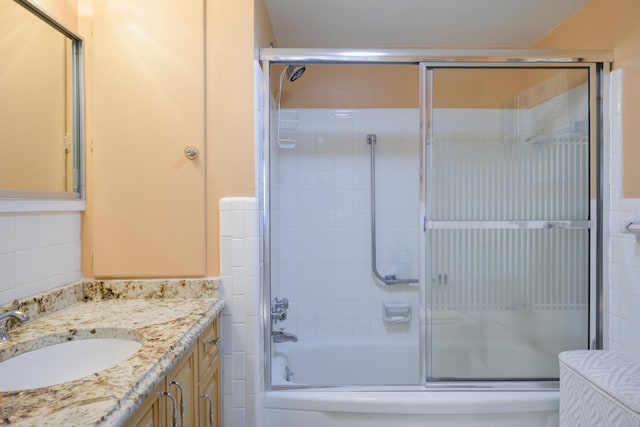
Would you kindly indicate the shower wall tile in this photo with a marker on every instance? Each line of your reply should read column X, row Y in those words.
column 320, row 228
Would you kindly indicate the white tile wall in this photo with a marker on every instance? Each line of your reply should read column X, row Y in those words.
column 38, row 252
column 624, row 249
column 321, row 221
column 242, row 349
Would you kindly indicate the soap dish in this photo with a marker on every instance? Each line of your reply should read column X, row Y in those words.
column 396, row 312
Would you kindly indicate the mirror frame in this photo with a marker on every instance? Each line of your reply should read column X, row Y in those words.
column 34, row 201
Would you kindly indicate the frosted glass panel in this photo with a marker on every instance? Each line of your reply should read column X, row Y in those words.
column 504, row 303
column 509, row 150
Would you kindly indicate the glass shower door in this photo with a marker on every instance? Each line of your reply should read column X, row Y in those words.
column 508, row 221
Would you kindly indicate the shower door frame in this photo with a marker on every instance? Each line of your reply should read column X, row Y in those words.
column 598, row 63
column 596, row 71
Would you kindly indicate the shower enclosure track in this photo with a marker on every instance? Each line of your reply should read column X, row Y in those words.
column 389, row 279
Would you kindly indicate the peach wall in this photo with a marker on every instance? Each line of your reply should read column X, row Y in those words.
column 397, row 86
column 611, row 24
column 235, row 30
column 352, row 86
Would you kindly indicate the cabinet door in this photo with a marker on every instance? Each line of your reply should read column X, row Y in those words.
column 152, row 411
column 182, row 382
column 147, row 92
column 209, row 390
column 208, row 348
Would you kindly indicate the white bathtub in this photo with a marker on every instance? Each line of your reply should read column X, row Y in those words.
column 404, row 408
column 346, row 362
column 330, row 362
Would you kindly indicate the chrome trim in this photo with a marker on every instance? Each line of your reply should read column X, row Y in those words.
column 498, row 385
column 78, row 128
column 78, row 120
column 507, row 225
column 424, row 87
column 175, row 406
column 426, row 96
column 597, row 123
column 426, row 59
column 388, row 280
column 266, row 221
column 42, row 14
column 182, row 404
column 415, row 56
column 36, row 194
column 208, row 398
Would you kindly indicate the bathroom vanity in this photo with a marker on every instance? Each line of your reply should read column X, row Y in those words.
column 176, row 322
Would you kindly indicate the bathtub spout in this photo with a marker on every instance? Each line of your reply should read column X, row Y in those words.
column 282, row 336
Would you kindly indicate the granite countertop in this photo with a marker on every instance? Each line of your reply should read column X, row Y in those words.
column 167, row 315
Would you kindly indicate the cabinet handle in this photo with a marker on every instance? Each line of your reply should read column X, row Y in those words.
column 206, row 396
column 216, row 341
column 191, row 152
column 175, row 407
column 182, row 408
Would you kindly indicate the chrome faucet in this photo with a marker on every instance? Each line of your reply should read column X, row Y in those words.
column 282, row 336
column 4, row 318
column 279, row 308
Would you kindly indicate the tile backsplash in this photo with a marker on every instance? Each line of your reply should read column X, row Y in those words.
column 38, row 252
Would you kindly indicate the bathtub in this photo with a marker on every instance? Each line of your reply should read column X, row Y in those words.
column 368, row 405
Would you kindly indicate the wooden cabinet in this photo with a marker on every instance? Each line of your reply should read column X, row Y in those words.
column 152, row 411
column 189, row 395
column 209, row 377
column 182, row 382
column 146, row 84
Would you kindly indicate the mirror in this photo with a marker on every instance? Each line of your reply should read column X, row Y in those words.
column 41, row 120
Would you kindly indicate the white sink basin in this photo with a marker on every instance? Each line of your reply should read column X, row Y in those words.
column 63, row 362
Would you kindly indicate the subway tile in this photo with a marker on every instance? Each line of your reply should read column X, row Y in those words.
column 238, row 304
column 251, row 223
column 226, row 223
column 237, row 252
column 238, row 369
column 239, row 417
column 7, row 234
column 227, row 332
column 252, row 299
column 225, row 255
column 239, row 390
column 27, row 268
column 227, row 377
column 48, row 230
column 251, row 256
column 7, row 272
column 7, row 296
column 238, row 332
column 237, row 220
column 239, row 281
column 27, row 232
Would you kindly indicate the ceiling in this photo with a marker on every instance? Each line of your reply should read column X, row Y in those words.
column 416, row 23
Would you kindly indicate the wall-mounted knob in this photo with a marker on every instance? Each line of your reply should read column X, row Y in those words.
column 191, row 152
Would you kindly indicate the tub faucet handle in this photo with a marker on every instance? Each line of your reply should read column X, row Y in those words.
column 280, row 303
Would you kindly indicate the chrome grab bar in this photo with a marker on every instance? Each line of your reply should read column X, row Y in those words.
column 389, row 279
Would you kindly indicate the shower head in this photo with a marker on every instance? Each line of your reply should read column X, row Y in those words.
column 294, row 72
